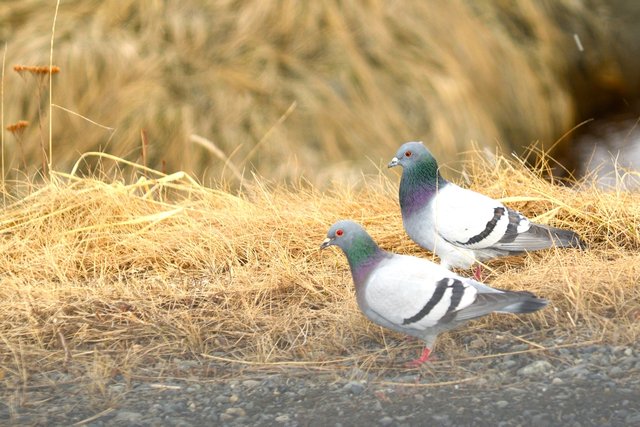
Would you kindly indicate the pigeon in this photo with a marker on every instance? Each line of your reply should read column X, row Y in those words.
column 459, row 225
column 415, row 296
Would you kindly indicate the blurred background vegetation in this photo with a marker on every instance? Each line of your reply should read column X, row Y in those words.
column 318, row 88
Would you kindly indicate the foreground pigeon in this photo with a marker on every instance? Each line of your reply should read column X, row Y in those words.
column 415, row 296
column 460, row 225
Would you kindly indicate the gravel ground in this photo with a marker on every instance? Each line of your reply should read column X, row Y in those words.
column 584, row 385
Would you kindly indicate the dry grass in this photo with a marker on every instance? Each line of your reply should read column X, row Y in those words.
column 357, row 76
column 105, row 277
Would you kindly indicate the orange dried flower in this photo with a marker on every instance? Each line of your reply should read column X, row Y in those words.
column 41, row 70
column 18, row 126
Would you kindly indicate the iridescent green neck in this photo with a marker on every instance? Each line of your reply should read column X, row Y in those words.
column 363, row 255
column 420, row 181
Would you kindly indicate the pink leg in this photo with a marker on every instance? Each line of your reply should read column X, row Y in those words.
column 477, row 274
column 419, row 361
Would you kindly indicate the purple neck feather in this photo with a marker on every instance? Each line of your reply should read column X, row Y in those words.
column 419, row 183
column 360, row 271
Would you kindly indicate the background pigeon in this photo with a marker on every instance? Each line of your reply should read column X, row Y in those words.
column 460, row 225
column 413, row 295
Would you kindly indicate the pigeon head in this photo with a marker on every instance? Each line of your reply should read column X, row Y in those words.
column 345, row 234
column 413, row 154
column 360, row 249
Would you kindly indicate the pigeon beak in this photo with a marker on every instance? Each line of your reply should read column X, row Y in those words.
column 393, row 162
column 326, row 243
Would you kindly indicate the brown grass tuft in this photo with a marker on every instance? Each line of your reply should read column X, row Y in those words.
column 103, row 276
column 362, row 77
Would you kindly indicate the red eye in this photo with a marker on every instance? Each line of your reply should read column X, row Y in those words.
column 339, row 232
column 408, row 153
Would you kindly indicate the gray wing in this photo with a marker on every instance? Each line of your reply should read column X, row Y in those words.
column 413, row 294
column 498, row 301
column 522, row 235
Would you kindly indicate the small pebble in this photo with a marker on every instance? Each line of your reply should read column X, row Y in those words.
column 385, row 421
column 519, row 347
column 616, row 372
column 539, row 367
column 633, row 419
column 250, row 383
column 354, row 387
column 540, row 420
column 236, row 412
column 575, row 372
column 128, row 417
column 226, row 417
column 441, row 420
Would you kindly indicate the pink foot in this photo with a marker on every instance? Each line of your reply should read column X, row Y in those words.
column 419, row 361
column 477, row 274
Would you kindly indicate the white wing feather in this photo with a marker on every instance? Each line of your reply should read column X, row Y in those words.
column 462, row 214
column 403, row 285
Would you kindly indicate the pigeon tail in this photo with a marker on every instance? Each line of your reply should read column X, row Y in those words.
column 501, row 302
column 528, row 304
column 537, row 237
column 563, row 238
